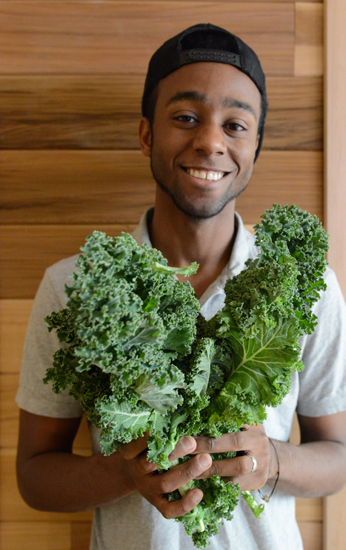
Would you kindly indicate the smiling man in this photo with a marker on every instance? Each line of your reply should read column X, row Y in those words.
column 204, row 107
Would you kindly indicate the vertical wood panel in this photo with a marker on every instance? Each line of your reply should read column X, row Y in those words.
column 309, row 40
column 335, row 203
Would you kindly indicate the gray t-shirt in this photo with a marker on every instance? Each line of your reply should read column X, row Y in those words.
column 132, row 523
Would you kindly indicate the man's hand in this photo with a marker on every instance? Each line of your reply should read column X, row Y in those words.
column 250, row 441
column 143, row 476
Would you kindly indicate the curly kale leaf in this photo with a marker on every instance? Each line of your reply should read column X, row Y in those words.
column 290, row 231
column 127, row 324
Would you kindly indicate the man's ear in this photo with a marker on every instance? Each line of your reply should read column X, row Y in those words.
column 145, row 137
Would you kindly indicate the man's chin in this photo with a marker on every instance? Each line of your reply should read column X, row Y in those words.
column 202, row 211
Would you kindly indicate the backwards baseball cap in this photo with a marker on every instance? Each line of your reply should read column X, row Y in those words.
column 205, row 42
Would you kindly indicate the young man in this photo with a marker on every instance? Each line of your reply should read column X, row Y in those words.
column 204, row 106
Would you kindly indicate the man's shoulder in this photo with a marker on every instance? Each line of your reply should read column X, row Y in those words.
column 61, row 272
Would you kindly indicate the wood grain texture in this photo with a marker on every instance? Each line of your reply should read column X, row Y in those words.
column 113, row 37
column 335, row 138
column 309, row 40
column 102, row 112
column 106, row 187
column 14, row 317
column 37, row 248
column 59, row 187
column 294, row 120
column 335, row 204
column 285, row 178
column 35, row 536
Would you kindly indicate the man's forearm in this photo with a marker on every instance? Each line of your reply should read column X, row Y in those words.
column 65, row 482
column 309, row 470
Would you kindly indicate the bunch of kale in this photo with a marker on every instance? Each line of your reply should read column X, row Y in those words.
column 141, row 358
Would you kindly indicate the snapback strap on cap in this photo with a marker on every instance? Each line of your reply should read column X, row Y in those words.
column 216, row 56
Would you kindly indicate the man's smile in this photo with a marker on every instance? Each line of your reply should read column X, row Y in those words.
column 210, row 175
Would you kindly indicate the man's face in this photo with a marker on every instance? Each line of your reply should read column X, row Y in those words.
column 204, row 136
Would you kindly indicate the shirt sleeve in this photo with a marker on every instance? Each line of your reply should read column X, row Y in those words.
column 33, row 395
column 322, row 383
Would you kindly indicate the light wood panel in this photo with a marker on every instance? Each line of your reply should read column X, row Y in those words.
column 309, row 40
column 335, row 136
column 104, row 37
column 312, row 535
column 335, row 203
column 102, row 112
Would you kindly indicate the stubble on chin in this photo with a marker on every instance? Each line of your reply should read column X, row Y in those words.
column 202, row 212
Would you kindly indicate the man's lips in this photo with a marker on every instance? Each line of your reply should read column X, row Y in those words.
column 203, row 174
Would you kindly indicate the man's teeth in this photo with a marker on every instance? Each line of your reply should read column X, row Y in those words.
column 205, row 175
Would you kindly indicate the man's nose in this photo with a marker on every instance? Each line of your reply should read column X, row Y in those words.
column 210, row 139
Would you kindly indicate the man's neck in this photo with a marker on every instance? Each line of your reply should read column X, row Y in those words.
column 183, row 240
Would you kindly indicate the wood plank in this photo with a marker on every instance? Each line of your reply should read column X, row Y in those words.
column 82, row 189
column 309, row 40
column 14, row 317
column 335, row 141
column 70, row 112
column 312, row 535
column 59, row 187
column 37, row 248
column 309, row 509
column 14, row 509
column 295, row 115
column 37, row 535
column 286, row 178
column 102, row 112
column 109, row 37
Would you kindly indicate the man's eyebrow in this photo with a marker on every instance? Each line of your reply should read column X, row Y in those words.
column 231, row 102
column 228, row 102
column 180, row 96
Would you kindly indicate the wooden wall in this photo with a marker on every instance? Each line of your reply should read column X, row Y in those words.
column 71, row 77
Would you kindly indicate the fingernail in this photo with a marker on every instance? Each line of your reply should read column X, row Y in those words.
column 188, row 444
column 204, row 460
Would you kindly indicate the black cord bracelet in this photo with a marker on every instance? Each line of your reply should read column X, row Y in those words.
column 268, row 497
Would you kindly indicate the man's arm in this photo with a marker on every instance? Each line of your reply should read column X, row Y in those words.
column 50, row 477
column 315, row 468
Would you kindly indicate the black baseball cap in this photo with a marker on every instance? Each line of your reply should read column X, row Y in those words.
column 205, row 42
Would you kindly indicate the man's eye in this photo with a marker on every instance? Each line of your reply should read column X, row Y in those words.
column 234, row 127
column 185, row 118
